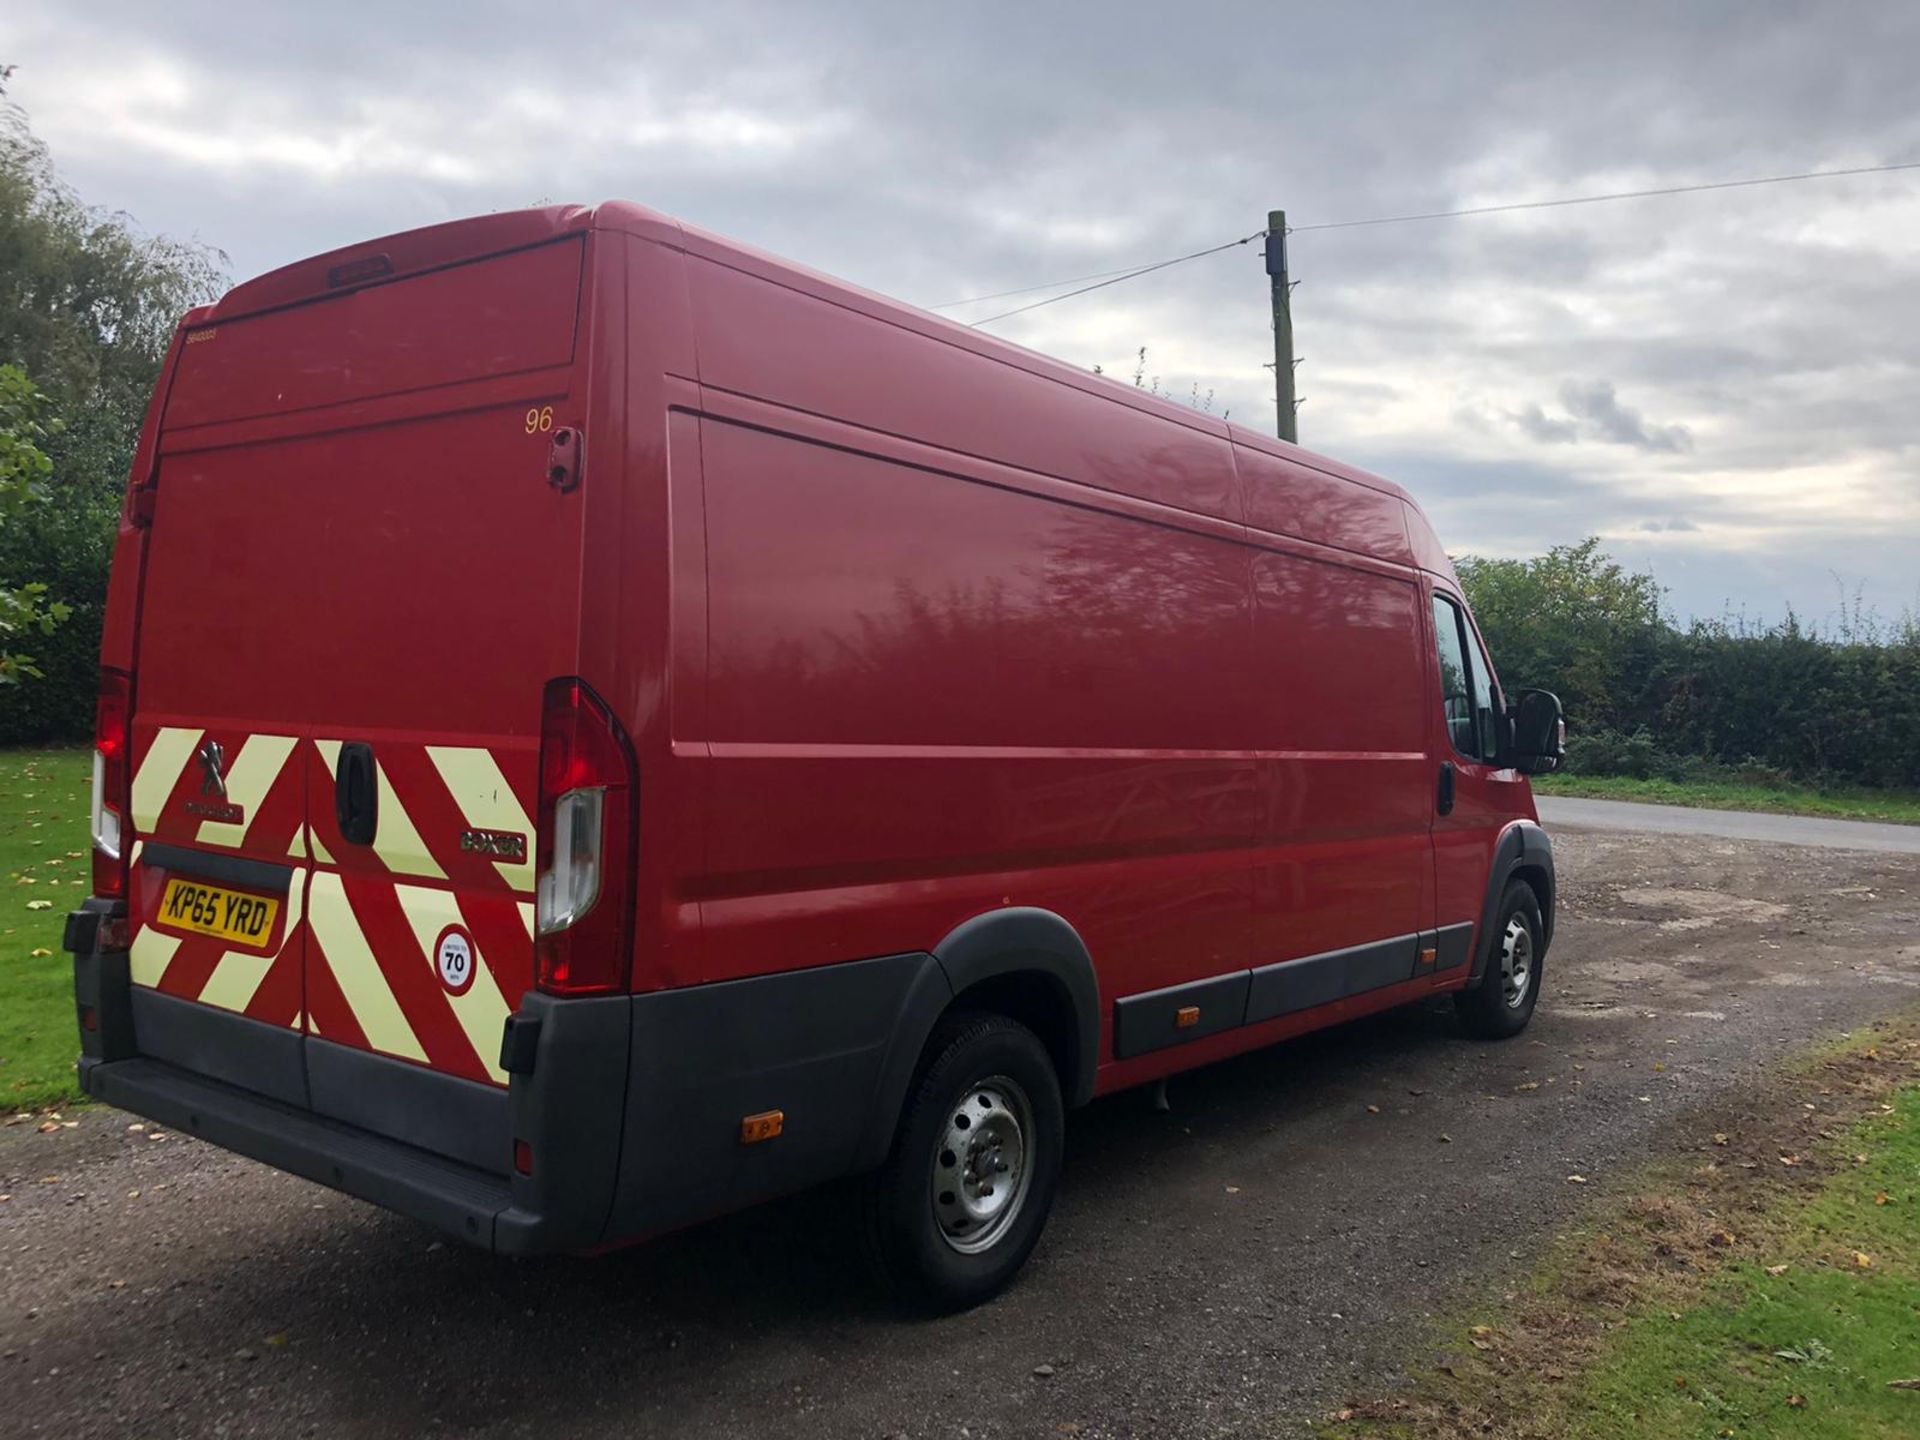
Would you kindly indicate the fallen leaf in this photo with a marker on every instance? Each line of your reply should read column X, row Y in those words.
column 1373, row 1109
column 1798, row 1402
column 1720, row 1237
column 39, row 904
column 1862, row 1260
column 1446, row 1139
column 1789, row 1159
column 1777, row 1269
column 1233, row 1189
column 1719, row 1138
column 40, row 952
column 280, row 1339
column 1530, row 1085
column 49, row 1127
column 1883, row 1198
column 1576, row 1179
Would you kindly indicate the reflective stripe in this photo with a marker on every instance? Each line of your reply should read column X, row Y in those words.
column 395, row 840
column 238, row 974
column 159, row 772
column 473, row 778
column 331, row 921
column 482, row 1009
column 255, row 768
column 152, row 953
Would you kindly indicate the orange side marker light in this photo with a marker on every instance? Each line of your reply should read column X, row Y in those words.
column 764, row 1126
column 1186, row 1017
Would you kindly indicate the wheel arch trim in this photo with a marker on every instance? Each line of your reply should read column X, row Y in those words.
column 1523, row 847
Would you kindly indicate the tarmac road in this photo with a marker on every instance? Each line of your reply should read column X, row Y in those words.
column 1230, row 1267
column 1559, row 810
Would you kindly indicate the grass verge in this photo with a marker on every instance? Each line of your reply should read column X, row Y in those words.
column 44, row 872
column 1768, row 1286
column 1899, row 806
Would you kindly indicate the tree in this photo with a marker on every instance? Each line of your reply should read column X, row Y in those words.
column 1573, row 621
column 24, row 468
column 88, row 303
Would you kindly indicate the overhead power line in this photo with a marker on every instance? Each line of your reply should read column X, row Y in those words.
column 1596, row 199
column 1123, row 275
column 1105, row 278
column 1030, row 289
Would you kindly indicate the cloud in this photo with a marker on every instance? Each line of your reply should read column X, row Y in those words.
column 1596, row 403
column 1536, row 424
column 1744, row 359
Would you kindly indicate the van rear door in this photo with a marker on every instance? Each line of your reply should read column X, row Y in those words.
column 358, row 579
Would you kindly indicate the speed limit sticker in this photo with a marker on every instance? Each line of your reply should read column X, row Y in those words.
column 453, row 953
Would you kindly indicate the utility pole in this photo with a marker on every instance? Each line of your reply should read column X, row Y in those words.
column 1282, row 324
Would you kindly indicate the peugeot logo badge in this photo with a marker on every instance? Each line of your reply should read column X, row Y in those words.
column 212, row 757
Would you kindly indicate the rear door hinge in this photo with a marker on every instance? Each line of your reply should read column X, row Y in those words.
column 566, row 457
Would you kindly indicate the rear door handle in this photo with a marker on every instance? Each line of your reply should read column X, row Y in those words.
column 1444, row 800
column 356, row 794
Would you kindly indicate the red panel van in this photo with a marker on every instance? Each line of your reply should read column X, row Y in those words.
column 599, row 727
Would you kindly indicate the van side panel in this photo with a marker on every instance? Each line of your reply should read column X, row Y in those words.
column 1288, row 498
column 792, row 349
column 931, row 696
column 1345, row 859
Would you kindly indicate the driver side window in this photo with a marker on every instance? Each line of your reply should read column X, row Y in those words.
column 1466, row 685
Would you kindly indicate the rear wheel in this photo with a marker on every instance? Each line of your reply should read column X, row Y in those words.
column 963, row 1197
column 1503, row 1003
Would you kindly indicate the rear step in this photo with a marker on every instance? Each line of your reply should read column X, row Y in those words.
column 462, row 1201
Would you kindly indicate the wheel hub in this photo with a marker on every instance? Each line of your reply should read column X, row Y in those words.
column 981, row 1170
column 1516, row 962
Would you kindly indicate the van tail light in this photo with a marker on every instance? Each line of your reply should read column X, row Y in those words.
column 586, row 845
column 112, row 744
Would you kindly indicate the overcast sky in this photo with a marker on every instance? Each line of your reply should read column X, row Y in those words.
column 1724, row 386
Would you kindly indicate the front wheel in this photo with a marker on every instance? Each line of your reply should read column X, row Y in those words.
column 1508, row 991
column 963, row 1197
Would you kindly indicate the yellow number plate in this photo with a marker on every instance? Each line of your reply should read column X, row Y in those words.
column 209, row 910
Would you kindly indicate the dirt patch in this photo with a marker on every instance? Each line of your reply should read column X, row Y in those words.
column 1654, row 1245
column 1699, row 909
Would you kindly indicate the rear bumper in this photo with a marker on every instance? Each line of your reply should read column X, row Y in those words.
column 450, row 1196
column 631, row 1105
column 429, row 1146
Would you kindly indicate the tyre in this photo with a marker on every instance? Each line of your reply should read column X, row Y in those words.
column 964, row 1195
column 1503, row 1002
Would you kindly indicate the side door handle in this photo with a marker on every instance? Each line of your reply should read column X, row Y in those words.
column 1444, row 800
column 356, row 795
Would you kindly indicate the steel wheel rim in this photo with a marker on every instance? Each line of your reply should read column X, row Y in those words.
column 1516, row 962
column 982, row 1168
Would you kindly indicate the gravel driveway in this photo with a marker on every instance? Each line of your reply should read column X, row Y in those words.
column 1231, row 1266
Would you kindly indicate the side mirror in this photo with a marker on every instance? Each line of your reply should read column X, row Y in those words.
column 1538, row 730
